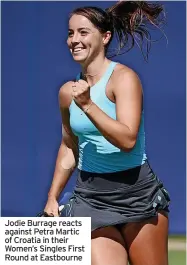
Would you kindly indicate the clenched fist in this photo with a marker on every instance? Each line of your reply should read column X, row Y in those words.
column 81, row 93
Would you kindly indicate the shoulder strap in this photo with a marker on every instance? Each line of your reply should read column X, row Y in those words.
column 109, row 72
column 78, row 77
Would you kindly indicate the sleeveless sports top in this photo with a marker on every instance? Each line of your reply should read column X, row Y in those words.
column 96, row 154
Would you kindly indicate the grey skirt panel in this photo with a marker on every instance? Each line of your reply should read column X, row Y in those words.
column 118, row 198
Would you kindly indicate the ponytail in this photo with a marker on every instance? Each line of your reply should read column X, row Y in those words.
column 131, row 21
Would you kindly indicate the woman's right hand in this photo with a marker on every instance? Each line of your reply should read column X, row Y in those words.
column 51, row 207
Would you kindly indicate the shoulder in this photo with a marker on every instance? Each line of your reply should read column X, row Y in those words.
column 65, row 93
column 123, row 72
column 124, row 78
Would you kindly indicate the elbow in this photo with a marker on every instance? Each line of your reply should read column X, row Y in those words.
column 129, row 145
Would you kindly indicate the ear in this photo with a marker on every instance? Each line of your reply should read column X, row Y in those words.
column 106, row 37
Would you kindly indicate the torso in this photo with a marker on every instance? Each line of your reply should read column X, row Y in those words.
column 96, row 154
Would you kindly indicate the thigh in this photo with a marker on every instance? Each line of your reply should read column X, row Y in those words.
column 147, row 241
column 107, row 247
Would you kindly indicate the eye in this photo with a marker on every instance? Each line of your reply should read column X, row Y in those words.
column 83, row 33
column 70, row 34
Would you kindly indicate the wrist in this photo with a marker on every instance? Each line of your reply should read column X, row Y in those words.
column 52, row 196
column 87, row 106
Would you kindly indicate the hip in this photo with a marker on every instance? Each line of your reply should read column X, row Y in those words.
column 121, row 188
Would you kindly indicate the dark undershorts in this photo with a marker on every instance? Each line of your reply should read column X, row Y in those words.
column 117, row 198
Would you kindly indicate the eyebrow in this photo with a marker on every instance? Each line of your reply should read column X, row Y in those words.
column 81, row 29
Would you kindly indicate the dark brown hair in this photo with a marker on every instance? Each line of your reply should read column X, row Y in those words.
column 129, row 21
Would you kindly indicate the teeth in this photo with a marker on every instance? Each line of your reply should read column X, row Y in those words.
column 77, row 50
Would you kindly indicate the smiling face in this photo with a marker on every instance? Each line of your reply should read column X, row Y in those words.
column 84, row 39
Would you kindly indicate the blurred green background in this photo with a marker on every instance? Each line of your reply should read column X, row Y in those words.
column 177, row 250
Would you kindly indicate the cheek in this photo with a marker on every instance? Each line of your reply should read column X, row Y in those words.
column 92, row 40
column 97, row 43
column 68, row 42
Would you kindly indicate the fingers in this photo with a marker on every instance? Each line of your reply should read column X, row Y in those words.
column 52, row 208
column 56, row 214
column 78, row 89
column 82, row 82
column 74, row 88
column 80, row 92
column 52, row 213
column 81, row 85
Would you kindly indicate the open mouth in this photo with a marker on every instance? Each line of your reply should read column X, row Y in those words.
column 77, row 50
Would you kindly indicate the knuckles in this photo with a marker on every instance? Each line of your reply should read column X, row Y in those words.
column 83, row 84
column 81, row 87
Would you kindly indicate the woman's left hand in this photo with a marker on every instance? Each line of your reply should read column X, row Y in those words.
column 81, row 93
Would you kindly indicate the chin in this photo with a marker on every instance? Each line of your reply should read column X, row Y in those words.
column 79, row 59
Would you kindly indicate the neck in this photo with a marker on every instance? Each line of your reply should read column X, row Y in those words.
column 95, row 69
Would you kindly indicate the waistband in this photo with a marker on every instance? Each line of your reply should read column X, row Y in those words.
column 111, row 181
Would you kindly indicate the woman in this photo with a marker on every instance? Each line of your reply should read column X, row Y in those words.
column 103, row 134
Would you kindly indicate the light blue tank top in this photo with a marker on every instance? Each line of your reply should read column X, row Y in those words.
column 96, row 154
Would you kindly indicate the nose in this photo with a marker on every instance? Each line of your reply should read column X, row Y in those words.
column 75, row 39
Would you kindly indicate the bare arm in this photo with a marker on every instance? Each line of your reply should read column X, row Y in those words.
column 67, row 156
column 65, row 165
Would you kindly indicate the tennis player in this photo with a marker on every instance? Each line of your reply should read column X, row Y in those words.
column 103, row 135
